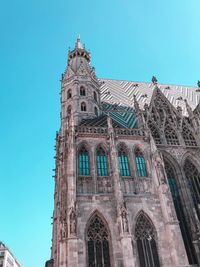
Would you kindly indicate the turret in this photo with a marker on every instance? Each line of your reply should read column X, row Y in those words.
column 80, row 87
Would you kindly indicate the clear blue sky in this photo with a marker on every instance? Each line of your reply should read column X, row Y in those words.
column 128, row 39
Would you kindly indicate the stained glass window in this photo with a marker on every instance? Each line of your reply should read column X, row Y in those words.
column 98, row 243
column 180, row 213
column 84, row 162
column 146, row 242
column 102, row 162
column 123, row 162
column 140, row 164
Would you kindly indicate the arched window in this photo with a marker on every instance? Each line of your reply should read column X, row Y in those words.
column 95, row 96
column 146, row 242
column 84, row 168
column 102, row 162
column 179, row 212
column 96, row 111
column 82, row 91
column 193, row 178
column 98, row 246
column 171, row 136
column 140, row 163
column 69, row 109
column 123, row 162
column 83, row 106
column 188, row 136
column 69, row 93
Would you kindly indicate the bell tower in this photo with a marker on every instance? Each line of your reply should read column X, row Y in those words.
column 80, row 86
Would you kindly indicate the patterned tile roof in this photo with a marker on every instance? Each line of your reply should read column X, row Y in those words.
column 122, row 92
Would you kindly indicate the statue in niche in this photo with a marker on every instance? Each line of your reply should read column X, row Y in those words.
column 124, row 219
column 63, row 230
column 73, row 221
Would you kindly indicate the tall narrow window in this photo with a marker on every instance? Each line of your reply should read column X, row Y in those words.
column 69, row 110
column 180, row 213
column 95, row 96
column 96, row 111
column 123, row 162
column 140, row 163
column 82, row 91
column 83, row 106
column 193, row 178
column 98, row 243
column 102, row 162
column 84, row 168
column 69, row 93
column 146, row 242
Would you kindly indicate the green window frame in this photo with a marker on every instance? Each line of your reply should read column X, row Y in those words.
column 84, row 168
column 102, row 162
column 123, row 163
column 140, row 164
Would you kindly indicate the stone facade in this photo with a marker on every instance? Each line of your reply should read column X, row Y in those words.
column 124, row 196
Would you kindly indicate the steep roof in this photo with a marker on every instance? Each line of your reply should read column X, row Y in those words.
column 122, row 92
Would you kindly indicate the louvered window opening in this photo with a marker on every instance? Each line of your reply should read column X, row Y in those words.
column 102, row 163
column 193, row 178
column 180, row 214
column 146, row 243
column 123, row 164
column 98, row 244
column 84, row 162
column 140, row 164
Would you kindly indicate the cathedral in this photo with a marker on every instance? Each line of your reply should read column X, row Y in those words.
column 127, row 174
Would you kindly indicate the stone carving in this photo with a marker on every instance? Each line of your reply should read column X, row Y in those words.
column 123, row 214
column 73, row 221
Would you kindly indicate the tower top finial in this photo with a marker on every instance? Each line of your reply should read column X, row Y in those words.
column 78, row 42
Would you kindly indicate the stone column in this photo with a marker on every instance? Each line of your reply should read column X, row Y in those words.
column 122, row 214
column 72, row 240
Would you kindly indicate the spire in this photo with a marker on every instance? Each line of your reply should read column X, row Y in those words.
column 78, row 42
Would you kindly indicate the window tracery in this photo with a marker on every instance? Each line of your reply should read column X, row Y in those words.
column 145, row 236
column 172, row 180
column 154, row 132
column 98, row 243
column 102, row 162
column 193, row 178
column 140, row 163
column 84, row 168
column 123, row 161
column 171, row 136
column 188, row 136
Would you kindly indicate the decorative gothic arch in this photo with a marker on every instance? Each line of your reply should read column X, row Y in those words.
column 179, row 208
column 146, row 239
column 98, row 241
